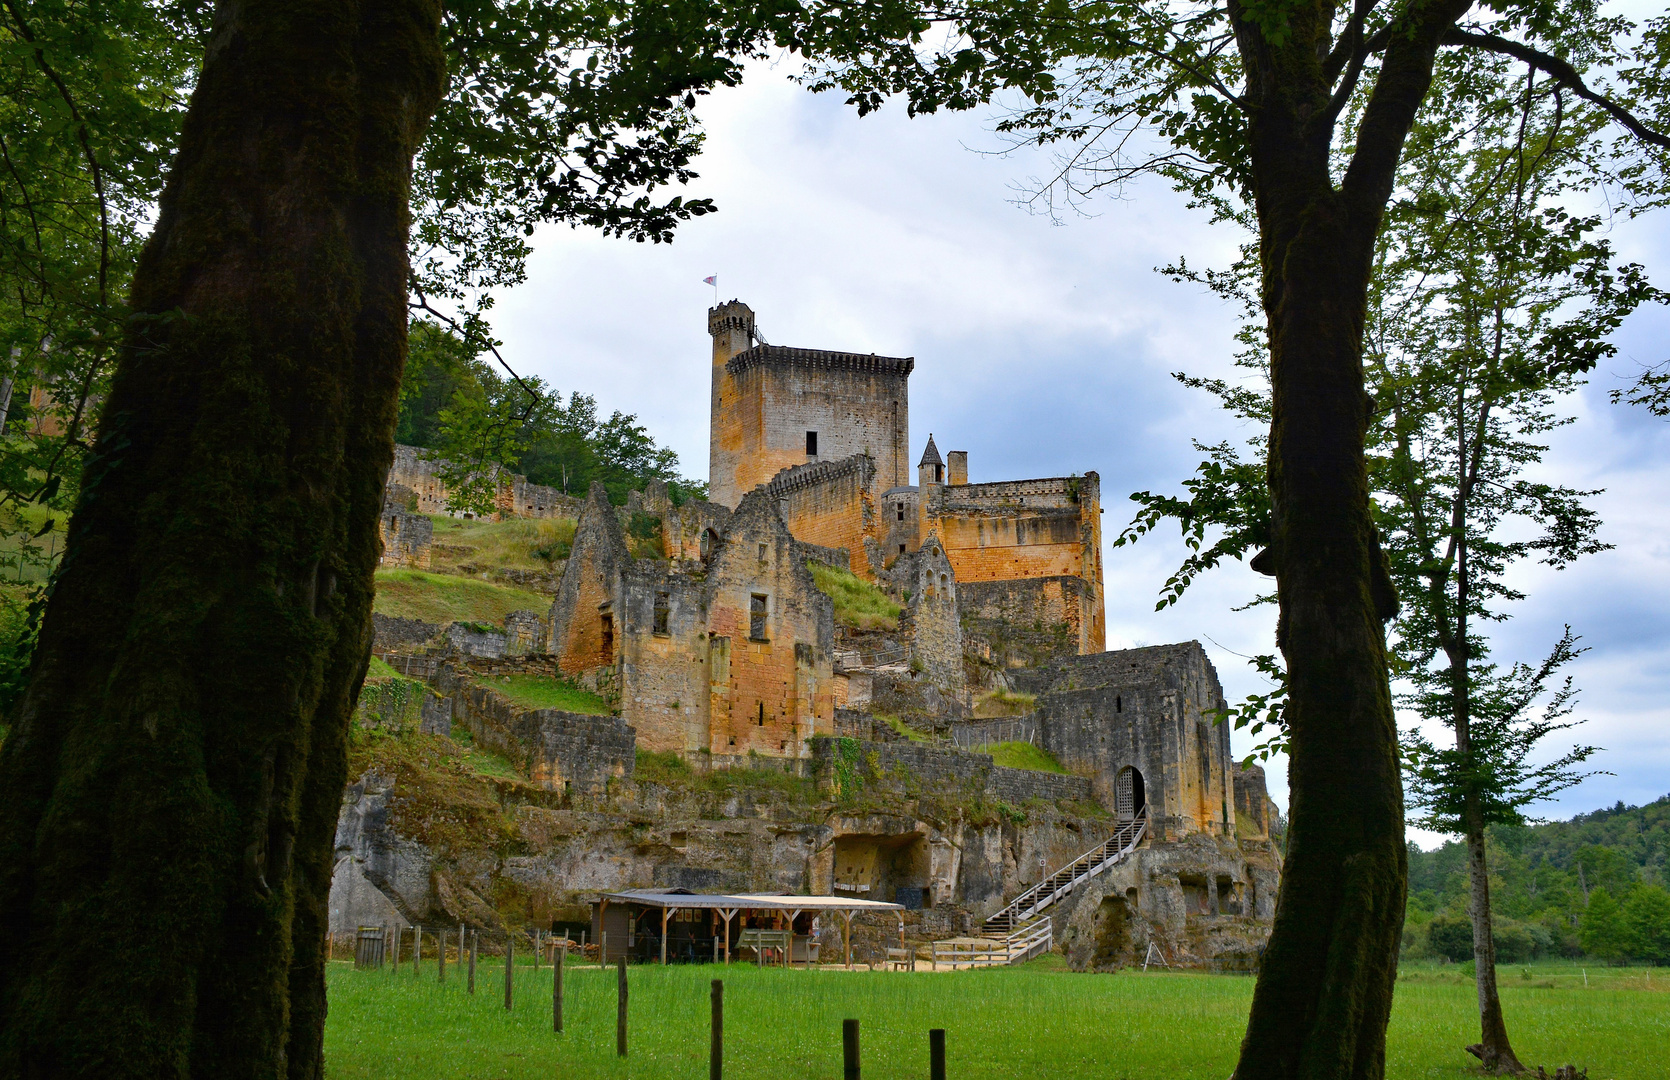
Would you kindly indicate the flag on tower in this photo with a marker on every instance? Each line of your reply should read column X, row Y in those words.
column 714, row 280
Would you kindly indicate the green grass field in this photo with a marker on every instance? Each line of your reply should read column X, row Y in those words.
column 858, row 603
column 516, row 544
column 1022, row 755
column 1033, row 1021
column 445, row 598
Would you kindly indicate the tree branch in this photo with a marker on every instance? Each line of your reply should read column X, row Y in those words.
column 1562, row 73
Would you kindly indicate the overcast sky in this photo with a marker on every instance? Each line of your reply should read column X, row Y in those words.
column 1044, row 349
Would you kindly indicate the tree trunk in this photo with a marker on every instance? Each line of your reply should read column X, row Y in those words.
column 169, row 792
column 1493, row 1049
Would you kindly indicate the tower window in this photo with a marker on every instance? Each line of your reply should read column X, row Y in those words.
column 608, row 637
column 756, row 617
column 662, row 607
column 901, row 549
column 811, row 443
column 939, row 474
column 762, row 553
column 759, row 720
column 901, row 511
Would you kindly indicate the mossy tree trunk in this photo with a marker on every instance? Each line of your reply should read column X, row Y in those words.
column 1324, row 993
column 169, row 791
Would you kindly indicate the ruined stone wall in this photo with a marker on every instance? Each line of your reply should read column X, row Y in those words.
column 931, row 621
column 766, row 399
column 1026, row 529
column 689, row 531
column 415, row 475
column 1149, row 709
column 1027, row 621
column 830, row 503
column 1252, row 801
column 572, row 753
column 583, row 622
column 899, row 519
column 407, row 539
column 910, row 770
column 663, row 675
column 392, row 632
column 769, row 693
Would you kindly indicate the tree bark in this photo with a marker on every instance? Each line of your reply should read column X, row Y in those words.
column 1324, row 991
column 169, row 791
column 1493, row 1050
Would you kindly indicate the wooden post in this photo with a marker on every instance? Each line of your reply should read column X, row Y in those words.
column 716, row 1045
column 664, row 913
column 440, row 952
column 936, row 1054
column 846, row 939
column 475, row 939
column 849, row 1050
column 509, row 966
column 538, row 948
column 557, row 963
column 417, row 950
column 620, row 1011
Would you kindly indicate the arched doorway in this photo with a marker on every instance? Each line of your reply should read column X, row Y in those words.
column 1129, row 797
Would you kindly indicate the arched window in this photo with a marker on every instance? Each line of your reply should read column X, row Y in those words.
column 1129, row 798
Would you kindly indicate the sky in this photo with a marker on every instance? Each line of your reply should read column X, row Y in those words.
column 1045, row 348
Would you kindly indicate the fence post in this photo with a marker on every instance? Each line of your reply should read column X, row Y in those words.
column 556, row 989
column 475, row 939
column 936, row 1054
column 620, row 1011
column 509, row 966
column 417, row 950
column 849, row 1050
column 440, row 952
column 716, row 1047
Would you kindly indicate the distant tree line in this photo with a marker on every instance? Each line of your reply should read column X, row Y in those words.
column 1591, row 887
column 456, row 403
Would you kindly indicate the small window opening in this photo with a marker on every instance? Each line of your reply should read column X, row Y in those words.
column 756, row 618
column 608, row 637
column 1118, row 703
column 901, row 549
column 662, row 607
column 759, row 720
column 939, row 474
column 811, row 443
column 901, row 511
column 762, row 553
column 944, row 580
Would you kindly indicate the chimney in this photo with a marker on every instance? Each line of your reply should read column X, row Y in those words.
column 956, row 464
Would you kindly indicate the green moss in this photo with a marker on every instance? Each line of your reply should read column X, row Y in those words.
column 1022, row 755
column 858, row 603
column 446, row 598
column 546, row 692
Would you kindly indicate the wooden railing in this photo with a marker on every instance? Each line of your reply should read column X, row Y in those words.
column 1030, row 903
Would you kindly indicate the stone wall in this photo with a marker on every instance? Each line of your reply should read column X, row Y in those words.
column 407, row 539
column 688, row 532
column 1252, row 801
column 391, row 632
column 572, row 753
column 1023, row 623
column 582, row 619
column 1149, row 710
column 830, row 503
column 931, row 621
column 908, row 770
column 416, row 485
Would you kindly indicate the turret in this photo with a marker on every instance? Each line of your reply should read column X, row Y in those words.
column 931, row 469
column 732, row 327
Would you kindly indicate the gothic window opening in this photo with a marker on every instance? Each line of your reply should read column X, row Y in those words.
column 663, row 607
column 756, row 617
column 811, row 444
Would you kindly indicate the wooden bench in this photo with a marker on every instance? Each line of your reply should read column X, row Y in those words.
column 901, row 959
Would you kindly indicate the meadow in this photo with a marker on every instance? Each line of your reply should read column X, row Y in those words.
column 1030, row 1021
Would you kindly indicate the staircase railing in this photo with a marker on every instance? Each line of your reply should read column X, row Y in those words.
column 1028, row 904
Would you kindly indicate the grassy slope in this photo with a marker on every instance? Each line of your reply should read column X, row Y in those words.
column 510, row 544
column 543, row 692
column 1005, row 1023
column 444, row 598
column 858, row 603
column 1022, row 755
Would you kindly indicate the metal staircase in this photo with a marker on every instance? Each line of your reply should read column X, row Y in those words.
column 1021, row 924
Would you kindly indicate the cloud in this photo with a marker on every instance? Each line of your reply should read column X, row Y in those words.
column 1046, row 349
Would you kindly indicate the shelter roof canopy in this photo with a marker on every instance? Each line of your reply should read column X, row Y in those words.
column 679, row 898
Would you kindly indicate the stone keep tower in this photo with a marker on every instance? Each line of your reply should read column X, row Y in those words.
column 775, row 407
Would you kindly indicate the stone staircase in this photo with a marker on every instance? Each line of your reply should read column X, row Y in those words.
column 1021, row 925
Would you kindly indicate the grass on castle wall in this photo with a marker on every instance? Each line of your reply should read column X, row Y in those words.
column 858, row 603
column 517, row 544
column 1002, row 702
column 446, row 598
column 1025, row 1022
column 545, row 692
column 1022, row 755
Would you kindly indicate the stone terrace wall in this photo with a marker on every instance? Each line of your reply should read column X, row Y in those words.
column 829, row 503
column 574, row 753
column 909, row 769
column 390, row 632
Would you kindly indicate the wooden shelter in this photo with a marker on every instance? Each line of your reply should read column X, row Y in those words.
column 643, row 922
